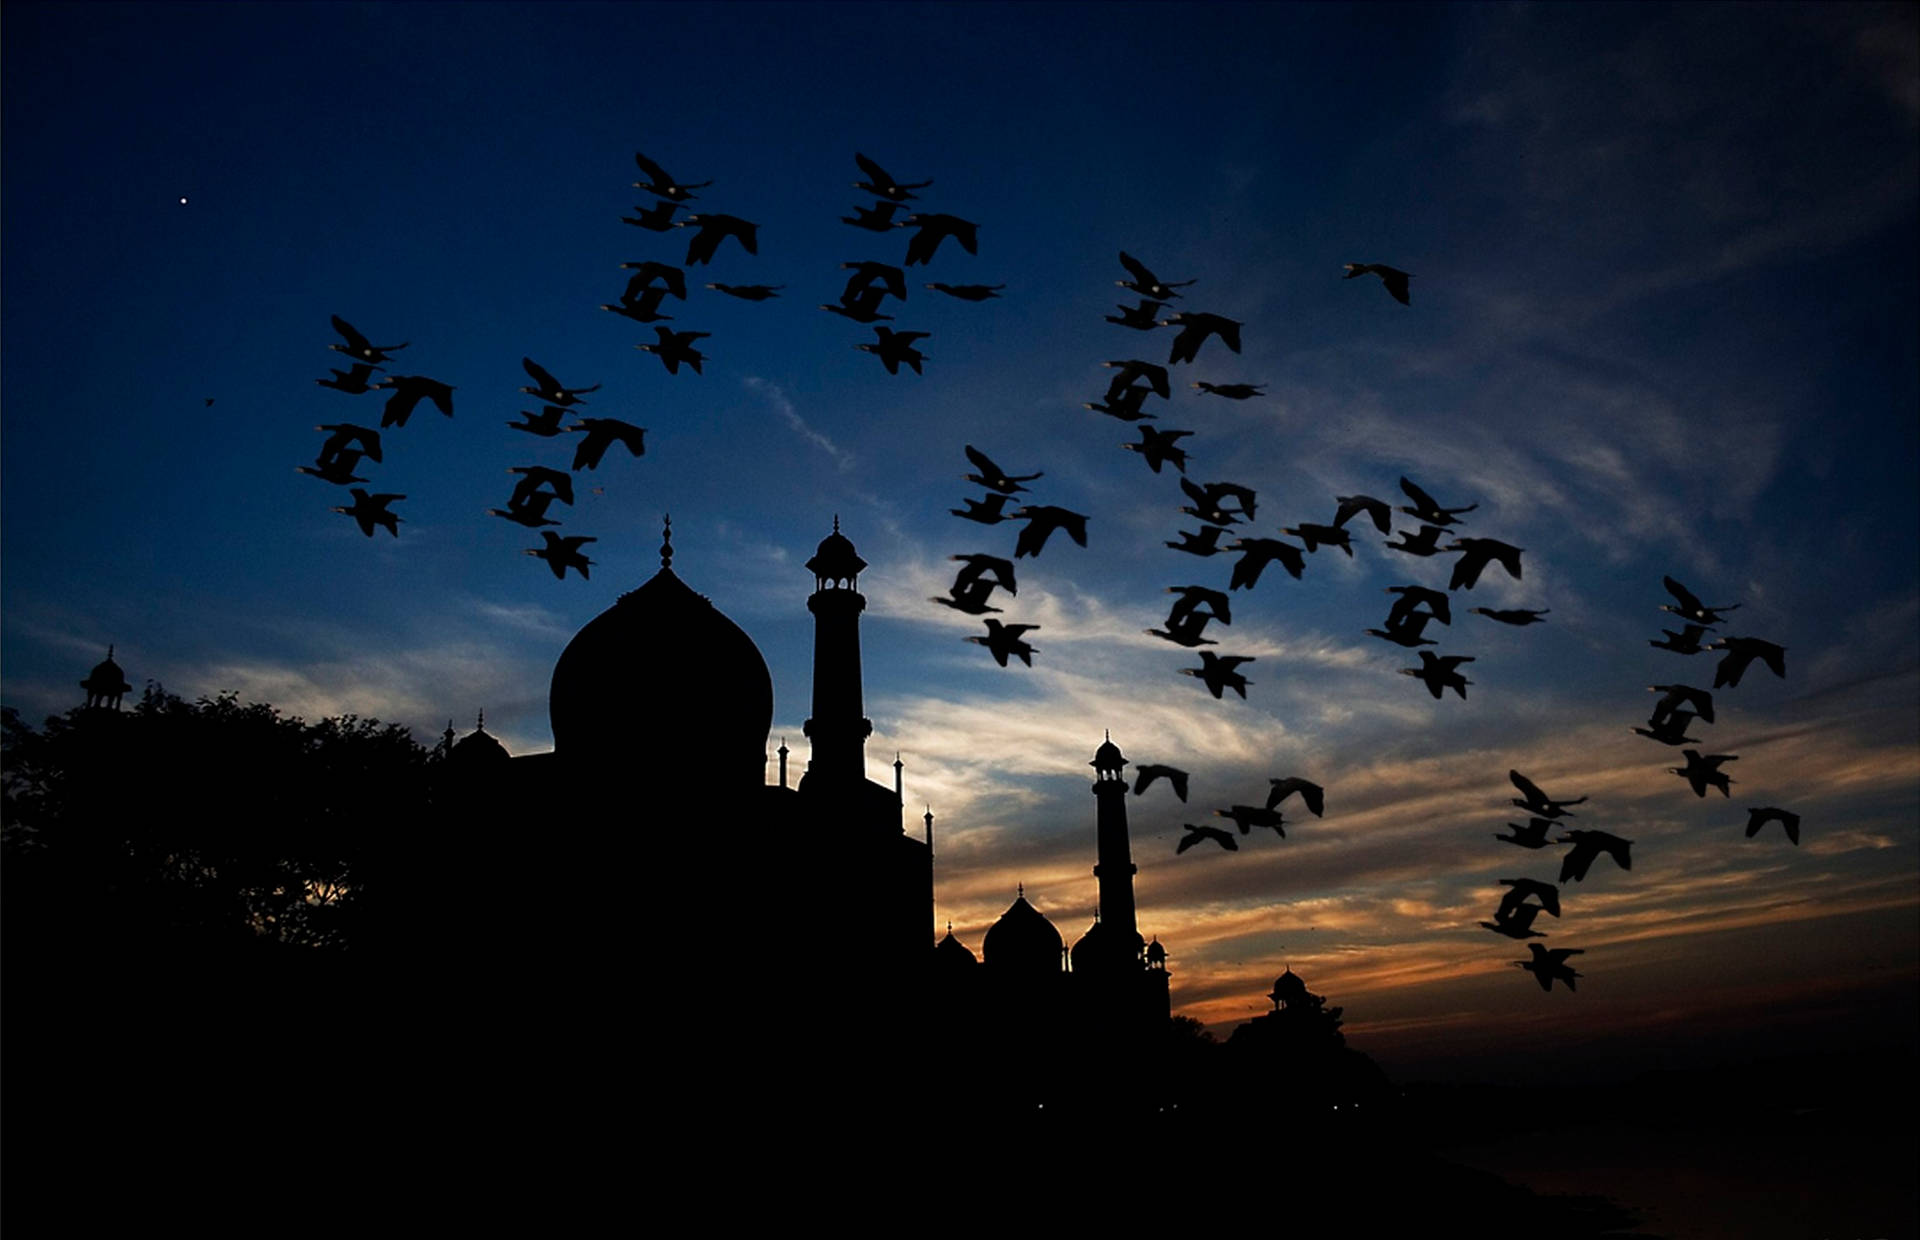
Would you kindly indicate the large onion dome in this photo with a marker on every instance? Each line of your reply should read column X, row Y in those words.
column 1022, row 941
column 664, row 679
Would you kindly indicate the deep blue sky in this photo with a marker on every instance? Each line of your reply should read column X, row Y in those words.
column 1663, row 321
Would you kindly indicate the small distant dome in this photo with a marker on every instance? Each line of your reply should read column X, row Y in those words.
column 1104, row 949
column 951, row 953
column 835, row 559
column 1022, row 941
column 1288, row 988
column 1091, row 947
column 106, row 682
column 478, row 747
column 1156, row 953
column 1108, row 757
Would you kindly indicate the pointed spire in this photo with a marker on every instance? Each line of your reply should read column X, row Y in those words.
column 666, row 540
column 480, row 725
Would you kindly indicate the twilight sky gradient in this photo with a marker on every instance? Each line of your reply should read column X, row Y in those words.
column 1664, row 321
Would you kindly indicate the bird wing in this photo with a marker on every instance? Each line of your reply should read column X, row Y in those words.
column 1681, row 595
column 355, row 341
column 546, row 381
column 1137, row 269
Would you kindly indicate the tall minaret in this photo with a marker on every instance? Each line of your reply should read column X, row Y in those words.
column 1114, row 869
column 839, row 727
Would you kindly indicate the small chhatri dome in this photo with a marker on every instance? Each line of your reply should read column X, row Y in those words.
column 478, row 746
column 1108, row 760
column 835, row 561
column 1022, row 941
column 106, row 682
column 1156, row 953
column 951, row 953
column 664, row 678
column 1288, row 988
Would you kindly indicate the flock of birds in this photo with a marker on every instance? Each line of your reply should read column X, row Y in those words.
column 1223, row 510
column 538, row 487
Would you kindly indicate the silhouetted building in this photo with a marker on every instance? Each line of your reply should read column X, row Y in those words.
column 106, row 684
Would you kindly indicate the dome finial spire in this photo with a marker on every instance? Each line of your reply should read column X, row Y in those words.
column 666, row 540
column 836, row 523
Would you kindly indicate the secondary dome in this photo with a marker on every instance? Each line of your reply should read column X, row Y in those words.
column 1022, row 941
column 663, row 677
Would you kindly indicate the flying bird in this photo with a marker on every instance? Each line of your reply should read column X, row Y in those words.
column 1159, row 448
column 713, row 229
column 673, row 280
column 530, row 511
column 882, row 185
column 1256, row 554
column 1134, row 368
column 1217, row 671
column 1425, row 542
column 749, row 292
column 549, row 390
column 1004, row 639
column 1477, row 554
column 1247, row 817
column 603, row 433
column 1742, row 651
column 344, row 433
column 935, row 228
column 1516, row 616
column 977, row 567
column 994, row 478
column 1195, row 326
column 1377, row 510
column 1185, row 631
column 557, row 482
column 1148, row 772
column 1312, row 795
column 410, row 390
column 1144, row 282
column 661, row 184
column 371, row 511
column 1698, row 700
column 1413, row 598
column 861, row 307
column 1201, row 542
column 1232, row 391
column 894, row 348
column 866, row 274
column 1394, row 279
column 656, row 218
column 1127, row 404
column 1702, row 771
column 1317, row 536
column 1588, row 845
column 1440, row 673
column 969, row 292
column 986, row 511
column 1550, row 965
column 1684, row 642
column 675, row 348
column 1533, row 835
column 563, row 553
column 642, row 309
column 1536, row 802
column 1690, row 608
column 1521, row 889
column 1670, row 729
column 1193, row 597
column 1042, row 520
column 877, row 218
column 1758, row 818
column 358, row 347
column 1517, row 923
column 971, row 598
column 1426, row 511
column 1197, row 835
column 353, row 382
column 1143, row 317
column 545, row 424
column 337, row 469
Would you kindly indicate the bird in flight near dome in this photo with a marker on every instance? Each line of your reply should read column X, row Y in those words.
column 545, row 424
column 549, row 390
column 1758, row 818
column 1550, row 965
column 1256, row 554
column 1201, row 542
column 1588, row 845
column 1742, row 651
column 1185, row 631
column 970, row 598
column 1536, row 802
column 994, row 478
column 340, row 434
column 1533, row 835
column 563, row 553
column 656, row 218
column 642, row 309
column 558, row 482
column 1688, row 607
column 1195, row 326
column 713, row 229
column 1676, row 696
column 1193, row 597
column 977, row 567
column 1424, row 542
column 1521, row 889
column 1316, row 536
column 1133, row 369
column 673, row 280
column 891, row 280
column 1218, row 672
column 661, row 184
column 1517, row 922
column 1128, row 404
column 1393, row 278
column 986, row 511
column 1144, row 282
column 863, row 307
column 880, row 182
column 410, row 390
column 675, row 348
column 968, row 292
column 1160, row 448
column 370, row 511
column 353, row 382
column 337, row 468
column 530, row 512
column 1440, row 673
column 1143, row 317
column 1247, row 817
column 1197, row 834
column 1377, row 510
column 1425, row 510
column 934, row 228
column 1312, row 795
column 1478, row 553
column 1004, row 640
column 893, row 348
column 1042, row 520
column 1232, row 391
column 877, row 218
column 1148, row 772
column 358, row 347
column 1670, row 728
column 1408, row 631
column 1686, row 641
column 603, row 433
column 1702, row 771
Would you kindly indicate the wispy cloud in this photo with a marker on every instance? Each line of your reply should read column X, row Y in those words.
column 782, row 405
